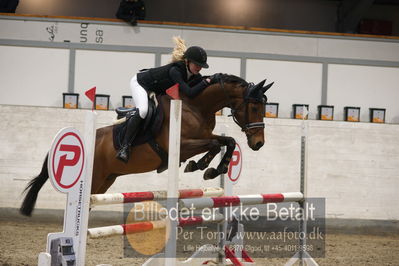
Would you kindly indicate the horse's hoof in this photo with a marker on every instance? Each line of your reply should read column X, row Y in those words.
column 210, row 173
column 191, row 167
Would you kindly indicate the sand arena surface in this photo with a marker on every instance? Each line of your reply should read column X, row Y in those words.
column 22, row 241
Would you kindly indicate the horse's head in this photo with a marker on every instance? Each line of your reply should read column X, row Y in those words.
column 248, row 112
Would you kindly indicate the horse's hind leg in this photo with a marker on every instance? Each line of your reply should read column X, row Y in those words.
column 101, row 179
column 109, row 180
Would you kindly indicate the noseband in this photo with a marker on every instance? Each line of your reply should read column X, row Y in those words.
column 247, row 126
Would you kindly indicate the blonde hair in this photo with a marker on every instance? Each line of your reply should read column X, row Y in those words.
column 179, row 49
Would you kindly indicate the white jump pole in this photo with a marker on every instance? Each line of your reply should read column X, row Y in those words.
column 227, row 184
column 222, row 227
column 90, row 139
column 173, row 181
column 302, row 255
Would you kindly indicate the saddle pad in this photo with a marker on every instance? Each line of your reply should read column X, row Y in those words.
column 149, row 128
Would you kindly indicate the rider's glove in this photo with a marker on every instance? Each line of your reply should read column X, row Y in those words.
column 215, row 78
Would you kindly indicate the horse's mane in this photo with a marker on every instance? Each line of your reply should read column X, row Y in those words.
column 232, row 79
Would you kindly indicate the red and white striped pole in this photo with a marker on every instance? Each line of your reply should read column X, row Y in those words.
column 125, row 229
column 215, row 202
column 129, row 197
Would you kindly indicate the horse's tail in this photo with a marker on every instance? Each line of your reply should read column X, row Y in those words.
column 33, row 189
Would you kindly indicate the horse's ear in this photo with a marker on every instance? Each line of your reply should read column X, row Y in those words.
column 260, row 84
column 265, row 88
column 255, row 92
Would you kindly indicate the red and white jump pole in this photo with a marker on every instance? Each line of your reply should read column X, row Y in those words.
column 129, row 197
column 257, row 199
column 125, row 229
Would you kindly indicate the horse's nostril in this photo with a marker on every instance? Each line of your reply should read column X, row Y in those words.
column 259, row 145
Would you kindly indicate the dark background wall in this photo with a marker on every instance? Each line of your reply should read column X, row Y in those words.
column 288, row 14
column 313, row 15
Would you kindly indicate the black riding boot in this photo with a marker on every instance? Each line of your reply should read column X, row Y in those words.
column 132, row 128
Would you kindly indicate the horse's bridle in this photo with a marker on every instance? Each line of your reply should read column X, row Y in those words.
column 247, row 126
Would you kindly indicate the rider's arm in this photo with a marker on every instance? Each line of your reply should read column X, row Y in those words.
column 194, row 80
column 177, row 77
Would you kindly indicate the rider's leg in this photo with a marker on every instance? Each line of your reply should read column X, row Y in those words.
column 134, row 119
column 140, row 97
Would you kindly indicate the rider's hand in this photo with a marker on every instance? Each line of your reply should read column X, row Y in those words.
column 215, row 78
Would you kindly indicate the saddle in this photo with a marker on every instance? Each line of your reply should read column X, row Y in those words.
column 148, row 131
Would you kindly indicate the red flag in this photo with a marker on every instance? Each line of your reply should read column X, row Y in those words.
column 91, row 94
column 174, row 91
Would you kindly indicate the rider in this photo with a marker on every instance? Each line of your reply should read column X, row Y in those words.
column 184, row 70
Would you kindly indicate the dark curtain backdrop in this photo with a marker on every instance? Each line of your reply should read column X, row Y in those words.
column 313, row 15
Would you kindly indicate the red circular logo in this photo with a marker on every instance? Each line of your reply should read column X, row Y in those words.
column 235, row 165
column 66, row 159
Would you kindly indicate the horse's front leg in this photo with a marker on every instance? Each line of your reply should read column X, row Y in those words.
column 192, row 147
column 222, row 168
column 204, row 162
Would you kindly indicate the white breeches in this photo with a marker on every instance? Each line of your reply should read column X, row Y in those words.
column 140, row 97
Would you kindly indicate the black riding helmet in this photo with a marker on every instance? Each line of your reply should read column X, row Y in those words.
column 197, row 55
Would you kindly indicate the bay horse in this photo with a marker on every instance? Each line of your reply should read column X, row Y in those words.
column 247, row 103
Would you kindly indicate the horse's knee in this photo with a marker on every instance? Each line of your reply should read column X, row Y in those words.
column 216, row 149
column 214, row 146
